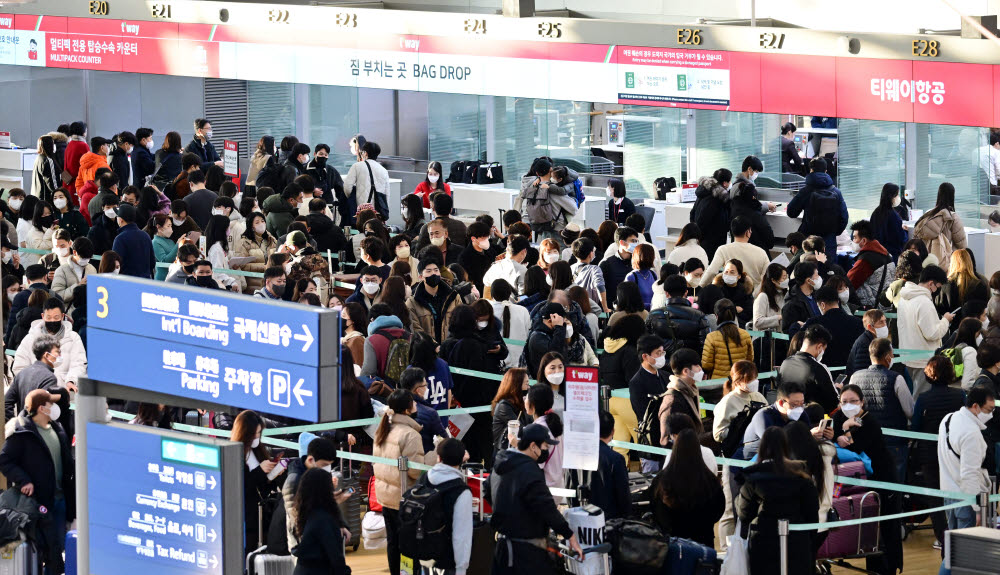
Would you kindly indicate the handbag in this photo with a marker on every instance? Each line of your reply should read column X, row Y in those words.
column 491, row 173
column 369, row 205
column 737, row 561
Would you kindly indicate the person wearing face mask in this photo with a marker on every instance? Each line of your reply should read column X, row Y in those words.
column 414, row 380
column 480, row 254
column 647, row 385
column 843, row 326
column 822, row 206
column 370, row 283
column 616, row 268
column 37, row 460
column 58, row 254
column 255, row 242
column 800, row 303
column 586, row 274
column 438, row 235
column 183, row 267
column 201, row 144
column 259, row 470
column 548, row 335
column 12, row 207
column 400, row 247
column 96, row 158
column 876, row 325
column 105, row 228
column 754, row 260
column 746, row 203
column 321, row 454
column 681, row 396
column 274, row 284
column 508, row 405
column 324, row 175
column 432, row 301
column 711, row 209
column 41, row 232
column 619, row 207
column 202, row 276
column 35, row 369
column 295, row 164
column 68, row 362
column 11, row 261
column 887, row 225
column 397, row 435
column 887, row 397
column 68, row 217
column 433, row 182
column 120, row 159
column 767, row 306
column 805, row 367
column 74, row 270
column 874, row 268
column 789, row 406
column 143, row 163
column 918, row 323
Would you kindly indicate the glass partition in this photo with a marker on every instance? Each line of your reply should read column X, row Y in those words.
column 455, row 127
column 654, row 142
column 869, row 154
column 953, row 154
column 724, row 139
column 333, row 120
column 272, row 110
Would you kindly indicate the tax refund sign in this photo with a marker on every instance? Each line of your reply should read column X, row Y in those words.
column 163, row 502
column 215, row 347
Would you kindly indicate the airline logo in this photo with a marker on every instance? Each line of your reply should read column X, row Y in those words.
column 6, row 22
column 132, row 29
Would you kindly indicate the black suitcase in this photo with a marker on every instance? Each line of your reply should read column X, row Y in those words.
column 351, row 509
column 638, row 483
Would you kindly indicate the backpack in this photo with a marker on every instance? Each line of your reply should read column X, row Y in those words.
column 425, row 514
column 738, row 427
column 397, row 357
column 538, row 207
column 637, row 548
column 824, row 212
column 664, row 186
column 456, row 173
column 270, row 176
column 648, row 431
column 578, row 187
column 955, row 355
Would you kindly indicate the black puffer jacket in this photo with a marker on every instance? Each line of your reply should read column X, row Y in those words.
column 711, row 213
column 689, row 324
column 522, row 505
column 745, row 203
column 617, row 369
column 25, row 459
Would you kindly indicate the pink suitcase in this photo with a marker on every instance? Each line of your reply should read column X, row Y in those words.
column 853, row 540
column 853, row 469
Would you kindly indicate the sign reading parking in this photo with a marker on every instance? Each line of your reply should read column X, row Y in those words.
column 212, row 346
column 162, row 502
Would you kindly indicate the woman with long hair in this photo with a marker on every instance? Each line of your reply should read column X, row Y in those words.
column 777, row 487
column 354, row 323
column 582, row 298
column 941, row 228
column 968, row 337
column 168, row 160
column 686, row 496
column 642, row 273
column 767, row 306
column 628, row 300
column 424, row 354
column 413, row 216
column 737, row 287
column 514, row 319
column 552, row 371
column 111, row 263
column 257, row 470
column 403, row 270
column 818, row 457
column 164, row 250
column 395, row 292
column 355, row 402
column 488, row 330
column 24, row 225
column 216, row 240
column 318, row 525
column 540, row 405
column 536, row 287
column 606, row 233
column 397, row 435
column 260, row 158
column 688, row 246
column 45, row 175
column 886, row 222
column 727, row 344
column 303, row 286
column 548, row 253
column 258, row 243
column 151, row 202
column 560, row 275
column 508, row 405
column 43, row 228
column 964, row 283
column 433, row 184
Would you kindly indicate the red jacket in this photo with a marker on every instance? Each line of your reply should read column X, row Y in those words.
column 424, row 191
column 75, row 150
column 870, row 258
column 87, row 193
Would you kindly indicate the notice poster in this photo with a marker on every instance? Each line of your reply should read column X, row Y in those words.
column 673, row 77
column 4, row 139
column 581, row 435
column 231, row 158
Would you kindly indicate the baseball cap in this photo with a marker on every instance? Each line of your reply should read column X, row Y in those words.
column 553, row 308
column 126, row 212
column 538, row 434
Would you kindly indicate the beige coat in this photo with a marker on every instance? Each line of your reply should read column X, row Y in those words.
column 943, row 233
column 403, row 440
column 259, row 248
column 66, row 278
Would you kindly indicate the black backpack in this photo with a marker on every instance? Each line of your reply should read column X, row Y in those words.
column 457, row 173
column 270, row 176
column 648, row 431
column 824, row 211
column 738, row 427
column 425, row 514
column 637, row 548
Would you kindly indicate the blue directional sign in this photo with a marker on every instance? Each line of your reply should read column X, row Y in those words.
column 214, row 347
column 159, row 502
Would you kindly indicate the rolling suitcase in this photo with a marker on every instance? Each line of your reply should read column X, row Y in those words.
column 351, row 509
column 853, row 469
column 688, row 557
column 71, row 541
column 259, row 562
column 23, row 560
column 638, row 483
column 853, row 540
column 483, row 536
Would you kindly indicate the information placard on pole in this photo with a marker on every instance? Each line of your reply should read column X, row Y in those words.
column 231, row 158
column 582, row 426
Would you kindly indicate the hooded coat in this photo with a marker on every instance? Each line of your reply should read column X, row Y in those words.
column 89, row 164
column 74, row 357
column 280, row 214
column 943, row 232
column 711, row 212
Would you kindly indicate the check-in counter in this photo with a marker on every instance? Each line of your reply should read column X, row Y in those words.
column 678, row 215
column 16, row 167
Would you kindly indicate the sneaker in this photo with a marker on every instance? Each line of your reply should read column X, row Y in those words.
column 937, row 544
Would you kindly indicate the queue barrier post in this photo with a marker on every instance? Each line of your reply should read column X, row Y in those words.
column 783, row 545
column 606, row 398
column 770, row 339
column 404, row 467
column 984, row 509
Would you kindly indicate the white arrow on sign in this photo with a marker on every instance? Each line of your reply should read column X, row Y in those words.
column 299, row 392
column 212, row 535
column 213, row 509
column 211, row 482
column 307, row 337
column 215, row 562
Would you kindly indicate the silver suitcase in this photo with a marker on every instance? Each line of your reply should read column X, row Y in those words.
column 261, row 563
column 24, row 560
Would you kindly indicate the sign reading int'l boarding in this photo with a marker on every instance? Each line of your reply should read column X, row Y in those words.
column 214, row 346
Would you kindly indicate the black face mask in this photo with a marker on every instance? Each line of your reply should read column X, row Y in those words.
column 206, row 281
column 46, row 221
column 433, row 280
column 53, row 327
column 278, row 290
column 543, row 456
column 320, row 161
column 189, row 269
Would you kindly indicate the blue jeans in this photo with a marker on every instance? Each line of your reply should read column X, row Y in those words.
column 53, row 538
column 958, row 518
column 649, row 465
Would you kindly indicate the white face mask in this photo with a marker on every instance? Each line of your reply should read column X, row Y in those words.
column 979, row 339
column 994, row 292
column 208, row 135
column 438, row 242
column 697, row 375
column 59, row 203
column 844, row 296
column 54, row 412
column 61, row 252
column 255, row 444
column 986, row 323
column 555, row 378
column 433, row 179
column 753, row 178
column 783, row 284
column 288, row 268
column 548, row 280
column 610, row 192
column 817, row 282
column 882, row 331
column 569, row 330
column 796, row 413
column 730, row 280
column 551, row 257
column 149, row 144
column 7, row 256
column 15, row 204
column 370, row 288
column 484, row 245
column 819, row 358
column 117, row 271
column 177, row 222
column 659, row 362
column 11, row 295
column 259, row 229
column 855, row 247
column 984, row 417
column 110, row 213
column 896, row 201
column 753, row 386
column 482, row 324
column 218, row 212
column 850, row 409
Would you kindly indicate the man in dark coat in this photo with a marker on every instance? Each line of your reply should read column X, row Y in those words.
column 822, row 206
column 325, row 176
column 844, row 328
column 37, row 277
column 804, row 368
column 711, row 210
column 202, row 147
column 549, row 336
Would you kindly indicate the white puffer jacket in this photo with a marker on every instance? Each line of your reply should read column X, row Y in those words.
column 73, row 365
